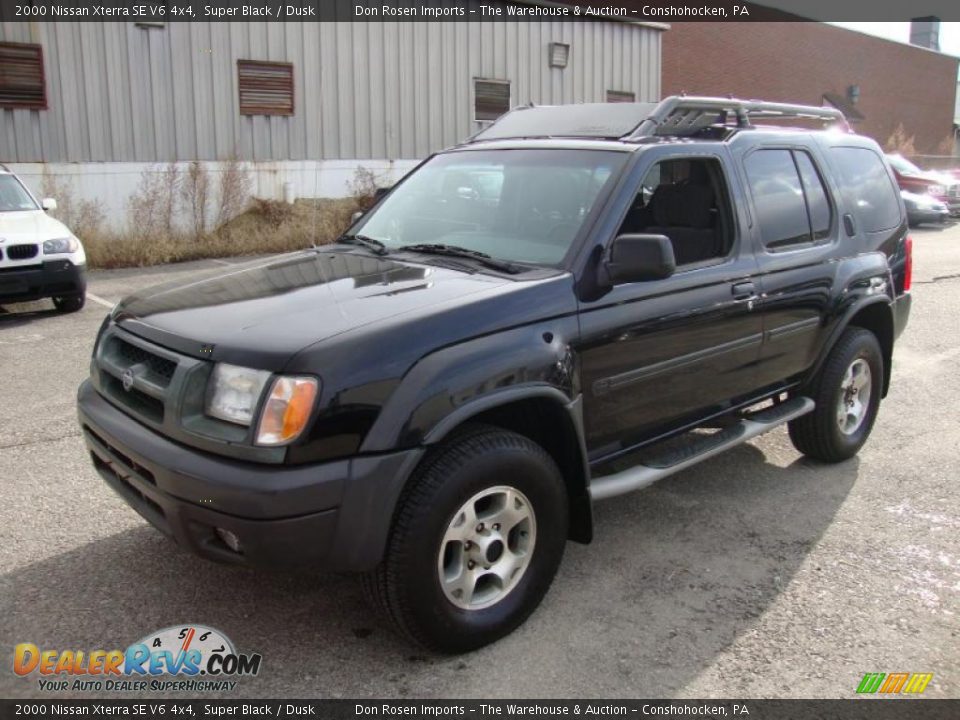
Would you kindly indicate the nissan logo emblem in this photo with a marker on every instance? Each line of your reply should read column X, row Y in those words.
column 127, row 379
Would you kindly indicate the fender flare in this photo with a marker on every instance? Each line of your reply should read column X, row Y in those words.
column 498, row 398
column 577, row 479
column 842, row 324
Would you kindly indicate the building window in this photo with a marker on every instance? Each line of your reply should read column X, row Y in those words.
column 266, row 88
column 22, row 83
column 491, row 99
column 620, row 96
column 559, row 54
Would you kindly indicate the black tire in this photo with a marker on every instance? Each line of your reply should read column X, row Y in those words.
column 406, row 586
column 818, row 434
column 69, row 303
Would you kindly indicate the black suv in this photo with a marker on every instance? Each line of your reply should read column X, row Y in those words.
column 575, row 303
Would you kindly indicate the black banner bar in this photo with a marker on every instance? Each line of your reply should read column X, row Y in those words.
column 874, row 708
column 661, row 11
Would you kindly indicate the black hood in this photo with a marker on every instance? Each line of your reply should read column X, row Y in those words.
column 270, row 310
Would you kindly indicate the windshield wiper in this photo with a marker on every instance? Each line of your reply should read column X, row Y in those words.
column 372, row 244
column 457, row 251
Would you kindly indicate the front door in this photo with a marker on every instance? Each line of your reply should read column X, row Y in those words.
column 663, row 352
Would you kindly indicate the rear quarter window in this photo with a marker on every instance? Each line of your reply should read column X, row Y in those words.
column 867, row 187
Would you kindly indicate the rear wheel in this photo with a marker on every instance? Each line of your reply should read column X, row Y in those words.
column 69, row 303
column 476, row 542
column 847, row 393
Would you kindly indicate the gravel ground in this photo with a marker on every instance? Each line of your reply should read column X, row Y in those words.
column 758, row 574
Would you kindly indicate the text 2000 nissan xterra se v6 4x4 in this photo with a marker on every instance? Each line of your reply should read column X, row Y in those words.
column 547, row 315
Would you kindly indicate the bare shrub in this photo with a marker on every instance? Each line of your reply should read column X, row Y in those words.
column 363, row 188
column 195, row 193
column 84, row 218
column 233, row 191
column 152, row 207
column 900, row 142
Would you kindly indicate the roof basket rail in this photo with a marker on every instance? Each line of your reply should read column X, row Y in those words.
column 683, row 115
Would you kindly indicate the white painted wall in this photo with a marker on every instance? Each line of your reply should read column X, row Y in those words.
column 112, row 183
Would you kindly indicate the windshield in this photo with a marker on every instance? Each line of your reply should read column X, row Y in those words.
column 902, row 165
column 13, row 196
column 519, row 205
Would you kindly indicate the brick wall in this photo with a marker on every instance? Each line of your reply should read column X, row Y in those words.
column 799, row 61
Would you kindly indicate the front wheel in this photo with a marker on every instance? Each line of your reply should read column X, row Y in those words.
column 476, row 542
column 847, row 396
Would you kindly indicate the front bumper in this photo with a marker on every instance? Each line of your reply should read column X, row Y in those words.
column 52, row 278
column 333, row 516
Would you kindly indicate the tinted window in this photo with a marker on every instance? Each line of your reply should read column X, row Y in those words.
column 816, row 195
column 868, row 187
column 778, row 198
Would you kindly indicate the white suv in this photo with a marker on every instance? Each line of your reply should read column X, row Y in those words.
column 39, row 256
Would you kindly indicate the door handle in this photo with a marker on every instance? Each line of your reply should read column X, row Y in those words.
column 744, row 291
column 849, row 225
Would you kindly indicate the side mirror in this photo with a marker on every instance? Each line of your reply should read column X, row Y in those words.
column 634, row 258
column 48, row 204
column 356, row 216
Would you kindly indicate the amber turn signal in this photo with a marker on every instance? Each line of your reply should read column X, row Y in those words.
column 287, row 410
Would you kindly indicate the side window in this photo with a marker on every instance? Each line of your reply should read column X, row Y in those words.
column 868, row 187
column 686, row 200
column 818, row 204
column 778, row 198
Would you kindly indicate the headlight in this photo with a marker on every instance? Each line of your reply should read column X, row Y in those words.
column 287, row 410
column 60, row 245
column 234, row 392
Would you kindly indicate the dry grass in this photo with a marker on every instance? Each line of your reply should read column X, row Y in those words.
column 267, row 227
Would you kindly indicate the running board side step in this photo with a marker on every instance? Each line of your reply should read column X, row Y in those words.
column 748, row 427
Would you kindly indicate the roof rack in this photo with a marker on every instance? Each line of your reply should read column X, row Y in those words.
column 675, row 116
column 683, row 115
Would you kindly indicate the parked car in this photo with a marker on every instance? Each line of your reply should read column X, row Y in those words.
column 437, row 400
column 942, row 186
column 39, row 256
column 924, row 209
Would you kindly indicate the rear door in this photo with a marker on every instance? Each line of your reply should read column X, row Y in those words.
column 796, row 228
column 659, row 353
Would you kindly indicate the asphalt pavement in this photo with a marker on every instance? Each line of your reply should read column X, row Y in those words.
column 757, row 574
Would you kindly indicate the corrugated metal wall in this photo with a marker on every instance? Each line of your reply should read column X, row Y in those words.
column 366, row 90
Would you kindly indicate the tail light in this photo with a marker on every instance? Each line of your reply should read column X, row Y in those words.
column 908, row 265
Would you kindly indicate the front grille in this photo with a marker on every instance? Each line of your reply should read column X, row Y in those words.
column 130, row 355
column 135, row 400
column 22, row 252
column 136, row 375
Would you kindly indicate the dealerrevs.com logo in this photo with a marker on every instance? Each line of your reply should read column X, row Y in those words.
column 183, row 657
